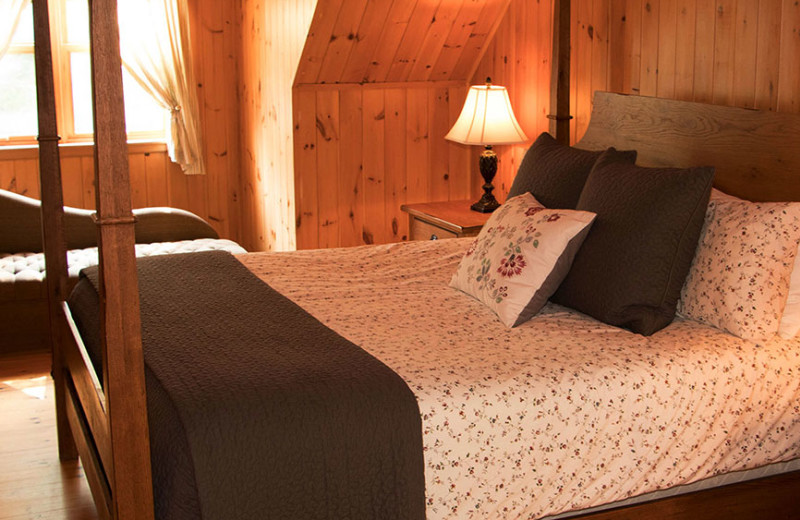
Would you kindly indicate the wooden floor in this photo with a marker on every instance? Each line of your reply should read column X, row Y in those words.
column 33, row 483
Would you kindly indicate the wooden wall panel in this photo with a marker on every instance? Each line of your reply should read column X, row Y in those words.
column 343, row 38
column 789, row 67
column 745, row 49
column 375, row 14
column 394, row 152
column 391, row 34
column 724, row 52
column 743, row 53
column 351, row 179
column 73, row 190
column 768, row 37
column 733, row 52
column 452, row 48
column 686, row 32
column 216, row 35
column 439, row 157
column 156, row 167
column 409, row 51
column 704, row 51
column 667, row 23
column 648, row 69
column 371, row 150
column 153, row 179
column 305, row 164
column 417, row 149
column 272, row 39
column 328, row 164
column 374, row 164
column 138, row 181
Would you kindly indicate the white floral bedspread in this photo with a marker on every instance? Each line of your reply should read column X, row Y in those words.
column 560, row 413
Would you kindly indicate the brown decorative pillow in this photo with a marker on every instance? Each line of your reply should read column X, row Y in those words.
column 631, row 268
column 555, row 173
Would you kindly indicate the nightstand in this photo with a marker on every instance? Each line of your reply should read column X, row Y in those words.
column 435, row 220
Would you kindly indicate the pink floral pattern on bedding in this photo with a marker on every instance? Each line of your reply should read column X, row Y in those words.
column 521, row 256
column 560, row 413
column 739, row 279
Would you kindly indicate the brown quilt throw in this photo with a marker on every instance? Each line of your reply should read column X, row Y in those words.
column 256, row 409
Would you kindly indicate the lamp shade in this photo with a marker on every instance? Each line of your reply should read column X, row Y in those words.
column 487, row 118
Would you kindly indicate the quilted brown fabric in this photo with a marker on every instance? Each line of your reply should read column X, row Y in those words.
column 282, row 417
column 555, row 174
column 630, row 269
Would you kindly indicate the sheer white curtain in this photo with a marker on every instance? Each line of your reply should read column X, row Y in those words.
column 156, row 50
column 10, row 13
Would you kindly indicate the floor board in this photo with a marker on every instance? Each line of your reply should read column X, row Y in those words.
column 33, row 483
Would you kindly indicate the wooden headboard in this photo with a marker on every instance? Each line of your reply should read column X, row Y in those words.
column 756, row 154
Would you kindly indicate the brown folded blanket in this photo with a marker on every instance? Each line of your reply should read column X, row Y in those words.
column 282, row 417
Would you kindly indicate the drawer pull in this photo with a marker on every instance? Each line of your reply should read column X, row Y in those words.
column 434, row 237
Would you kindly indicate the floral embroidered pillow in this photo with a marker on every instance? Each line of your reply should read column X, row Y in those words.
column 521, row 256
column 739, row 279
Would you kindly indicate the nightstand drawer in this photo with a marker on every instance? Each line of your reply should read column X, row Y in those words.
column 448, row 219
column 423, row 231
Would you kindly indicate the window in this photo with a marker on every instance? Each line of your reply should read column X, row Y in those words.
column 145, row 118
column 17, row 84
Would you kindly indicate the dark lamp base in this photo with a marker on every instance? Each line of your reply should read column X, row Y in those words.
column 488, row 168
column 487, row 204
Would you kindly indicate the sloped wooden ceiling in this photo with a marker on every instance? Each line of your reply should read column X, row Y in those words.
column 397, row 41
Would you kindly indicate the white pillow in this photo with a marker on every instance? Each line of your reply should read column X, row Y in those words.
column 790, row 320
column 521, row 256
column 740, row 275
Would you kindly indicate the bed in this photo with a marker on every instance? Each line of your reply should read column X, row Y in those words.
column 520, row 409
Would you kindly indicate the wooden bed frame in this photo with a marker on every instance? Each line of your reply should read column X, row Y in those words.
column 757, row 156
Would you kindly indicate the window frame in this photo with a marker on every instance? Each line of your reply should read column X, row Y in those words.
column 61, row 49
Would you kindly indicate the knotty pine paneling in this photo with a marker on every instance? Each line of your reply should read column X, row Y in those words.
column 273, row 35
column 216, row 37
column 397, row 41
column 732, row 52
column 363, row 151
column 155, row 180
column 378, row 85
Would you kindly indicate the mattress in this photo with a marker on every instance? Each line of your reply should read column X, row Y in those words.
column 562, row 413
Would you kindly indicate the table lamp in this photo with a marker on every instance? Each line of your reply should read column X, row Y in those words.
column 487, row 119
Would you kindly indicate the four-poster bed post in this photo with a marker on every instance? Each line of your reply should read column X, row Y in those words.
column 559, row 72
column 53, row 236
column 115, row 447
